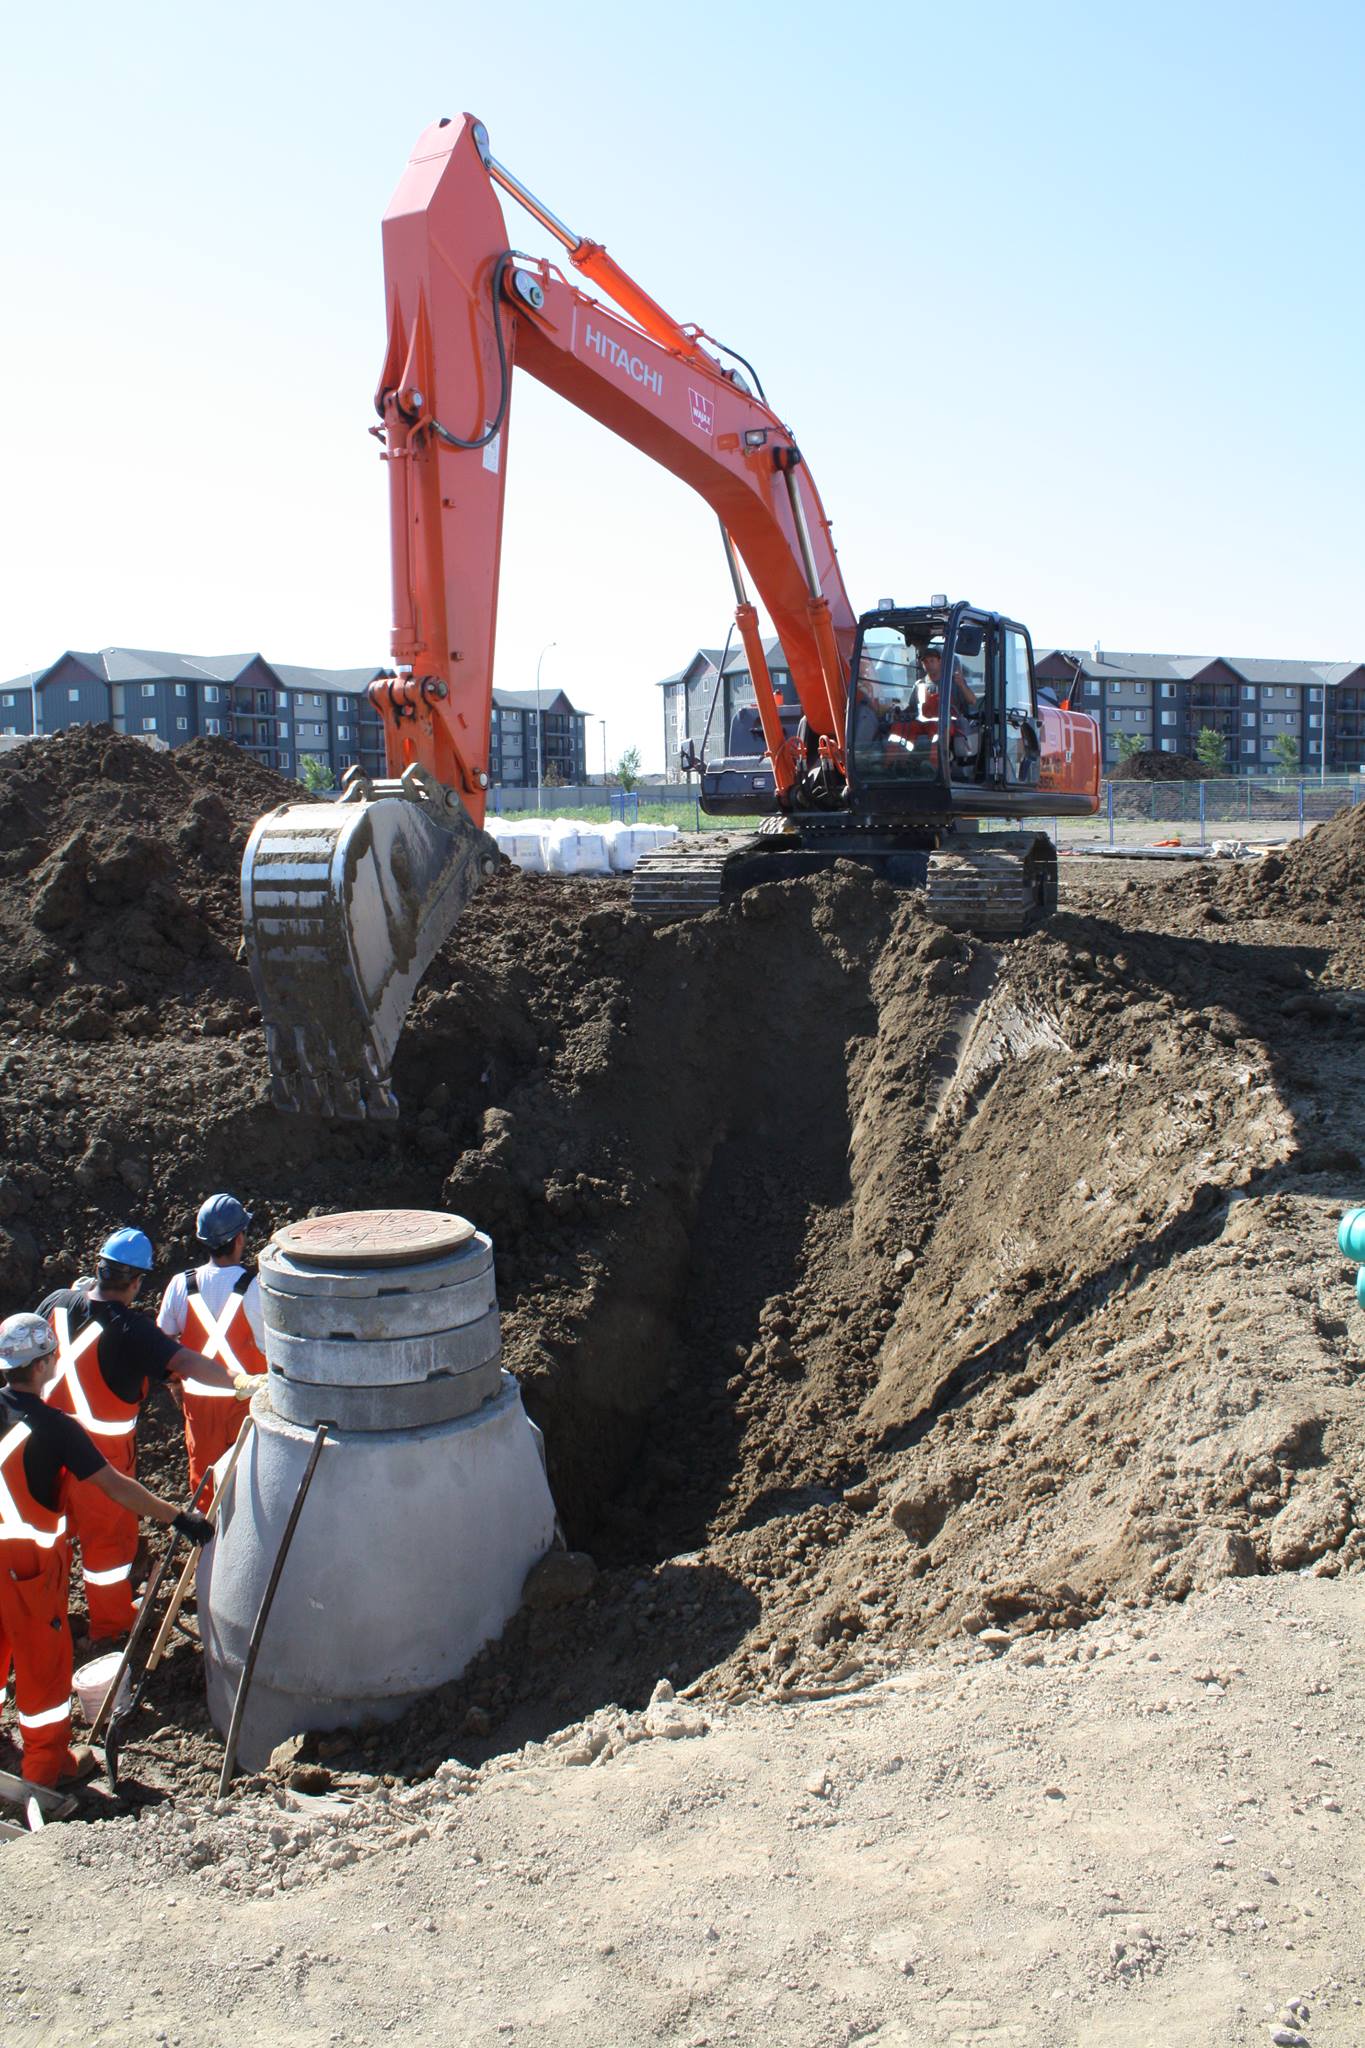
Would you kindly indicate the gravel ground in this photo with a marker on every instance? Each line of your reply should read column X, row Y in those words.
column 1149, row 1830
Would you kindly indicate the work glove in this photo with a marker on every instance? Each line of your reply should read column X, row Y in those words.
column 244, row 1386
column 197, row 1527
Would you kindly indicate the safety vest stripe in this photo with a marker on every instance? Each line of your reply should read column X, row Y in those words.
column 13, row 1527
column 218, row 1346
column 48, row 1719
column 125, row 1571
column 70, row 1353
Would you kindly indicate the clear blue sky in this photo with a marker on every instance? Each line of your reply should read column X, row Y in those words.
column 1064, row 303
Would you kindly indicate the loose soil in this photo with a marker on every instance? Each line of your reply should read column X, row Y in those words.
column 1156, row 766
column 874, row 1287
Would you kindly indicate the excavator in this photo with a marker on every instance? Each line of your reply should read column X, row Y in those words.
column 912, row 725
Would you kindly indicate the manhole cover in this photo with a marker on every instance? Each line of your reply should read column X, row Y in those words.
column 374, row 1237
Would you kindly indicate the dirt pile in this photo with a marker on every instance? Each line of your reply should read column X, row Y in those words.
column 871, row 1284
column 1149, row 766
column 1320, row 877
column 119, row 879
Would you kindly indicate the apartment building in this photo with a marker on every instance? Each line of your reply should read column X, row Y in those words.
column 698, row 694
column 1167, row 700
column 514, row 761
column 278, row 712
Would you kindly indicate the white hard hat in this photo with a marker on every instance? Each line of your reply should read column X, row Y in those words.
column 23, row 1340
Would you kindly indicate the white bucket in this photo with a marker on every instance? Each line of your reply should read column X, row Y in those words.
column 93, row 1680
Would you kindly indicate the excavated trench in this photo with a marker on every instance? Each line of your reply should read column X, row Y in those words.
column 870, row 1284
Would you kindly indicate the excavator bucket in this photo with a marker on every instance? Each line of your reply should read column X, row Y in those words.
column 345, row 906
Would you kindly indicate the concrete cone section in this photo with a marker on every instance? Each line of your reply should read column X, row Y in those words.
column 429, row 1504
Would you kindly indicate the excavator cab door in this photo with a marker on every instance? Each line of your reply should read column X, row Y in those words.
column 993, row 737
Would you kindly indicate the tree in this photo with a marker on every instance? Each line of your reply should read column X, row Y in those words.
column 628, row 768
column 314, row 774
column 1129, row 745
column 1210, row 750
column 1285, row 748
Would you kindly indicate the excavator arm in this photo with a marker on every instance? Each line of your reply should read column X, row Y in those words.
column 346, row 904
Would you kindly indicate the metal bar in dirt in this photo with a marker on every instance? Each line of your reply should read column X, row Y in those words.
column 263, row 1612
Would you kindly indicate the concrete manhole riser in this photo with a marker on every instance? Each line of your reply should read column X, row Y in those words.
column 414, row 1541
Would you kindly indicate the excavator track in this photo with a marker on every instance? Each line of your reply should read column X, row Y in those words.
column 690, row 877
column 999, row 885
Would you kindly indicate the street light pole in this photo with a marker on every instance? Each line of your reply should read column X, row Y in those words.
column 540, row 764
column 603, row 723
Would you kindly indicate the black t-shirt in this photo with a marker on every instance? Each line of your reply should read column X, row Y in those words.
column 57, row 1444
column 132, row 1349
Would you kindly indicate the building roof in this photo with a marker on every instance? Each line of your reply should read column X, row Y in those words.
column 150, row 664
column 527, row 700
column 351, row 680
column 1107, row 664
column 735, row 661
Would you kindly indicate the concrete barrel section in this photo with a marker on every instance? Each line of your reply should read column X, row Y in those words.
column 380, row 1346
column 429, row 1504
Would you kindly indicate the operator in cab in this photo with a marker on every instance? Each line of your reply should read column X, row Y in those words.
column 44, row 1456
column 964, row 710
column 108, row 1355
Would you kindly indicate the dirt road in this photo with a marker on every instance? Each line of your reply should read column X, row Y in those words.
column 1154, row 1834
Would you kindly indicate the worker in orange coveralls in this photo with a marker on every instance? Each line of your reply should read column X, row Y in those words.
column 108, row 1353
column 43, row 1453
column 216, row 1308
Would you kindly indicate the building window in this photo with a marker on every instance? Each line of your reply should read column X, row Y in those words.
column 343, row 732
column 212, row 728
column 317, row 701
column 149, row 724
column 1168, row 689
column 180, row 689
column 319, row 732
column 73, row 696
column 281, row 700
column 182, row 725
column 1249, row 692
column 10, row 732
column 7, row 701
column 1315, row 696
column 1248, row 746
column 1168, row 718
column 1248, row 718
column 1141, row 689
column 1168, row 746
column 211, row 693
column 149, row 689
column 1314, row 720
column 284, row 729
column 1114, row 689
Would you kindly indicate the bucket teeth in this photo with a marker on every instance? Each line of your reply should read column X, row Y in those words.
column 344, row 907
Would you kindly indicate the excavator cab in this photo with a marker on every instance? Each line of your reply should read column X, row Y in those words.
column 942, row 714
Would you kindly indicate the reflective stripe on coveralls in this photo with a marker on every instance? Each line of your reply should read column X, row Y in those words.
column 215, row 1343
column 12, row 1523
column 118, row 1419
column 33, row 1627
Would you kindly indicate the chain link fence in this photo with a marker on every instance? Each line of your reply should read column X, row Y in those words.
column 1130, row 813
column 1196, row 813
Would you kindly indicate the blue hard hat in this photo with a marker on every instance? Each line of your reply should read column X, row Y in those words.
column 220, row 1219
column 129, row 1248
